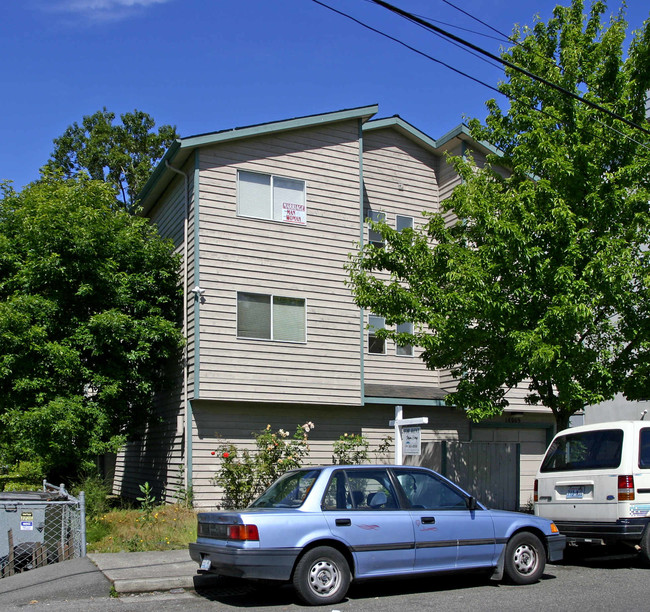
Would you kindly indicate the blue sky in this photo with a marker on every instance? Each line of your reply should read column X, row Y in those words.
column 208, row 65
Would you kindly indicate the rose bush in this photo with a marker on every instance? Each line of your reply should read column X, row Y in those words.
column 244, row 475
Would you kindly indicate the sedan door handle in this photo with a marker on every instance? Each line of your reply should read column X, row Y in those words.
column 428, row 520
column 343, row 522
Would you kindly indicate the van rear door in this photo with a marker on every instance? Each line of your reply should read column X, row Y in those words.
column 640, row 507
column 578, row 479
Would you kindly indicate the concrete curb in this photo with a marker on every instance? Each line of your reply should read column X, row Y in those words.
column 150, row 571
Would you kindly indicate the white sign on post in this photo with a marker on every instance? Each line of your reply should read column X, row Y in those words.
column 400, row 424
column 411, row 438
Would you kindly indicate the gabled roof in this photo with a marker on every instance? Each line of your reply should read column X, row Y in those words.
column 182, row 148
column 459, row 133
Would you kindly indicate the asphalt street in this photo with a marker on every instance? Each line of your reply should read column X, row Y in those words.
column 601, row 582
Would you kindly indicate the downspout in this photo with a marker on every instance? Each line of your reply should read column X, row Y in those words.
column 188, row 462
column 197, row 307
column 361, row 234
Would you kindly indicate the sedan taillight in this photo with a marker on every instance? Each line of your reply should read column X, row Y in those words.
column 243, row 532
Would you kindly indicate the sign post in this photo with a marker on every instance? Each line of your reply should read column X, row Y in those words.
column 410, row 445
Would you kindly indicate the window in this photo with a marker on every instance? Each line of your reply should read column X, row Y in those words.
column 403, row 223
column 590, row 450
column 644, row 448
column 360, row 490
column 290, row 491
column 427, row 492
column 376, row 345
column 404, row 350
column 271, row 197
column 374, row 237
column 270, row 317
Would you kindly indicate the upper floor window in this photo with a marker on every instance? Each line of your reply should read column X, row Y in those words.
column 375, row 237
column 271, row 317
column 265, row 196
column 376, row 345
column 402, row 223
column 405, row 350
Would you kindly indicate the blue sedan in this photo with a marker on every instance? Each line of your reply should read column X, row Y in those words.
column 322, row 527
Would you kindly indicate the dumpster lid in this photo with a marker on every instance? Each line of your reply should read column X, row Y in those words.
column 30, row 496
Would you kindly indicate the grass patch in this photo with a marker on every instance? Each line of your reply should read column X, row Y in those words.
column 132, row 530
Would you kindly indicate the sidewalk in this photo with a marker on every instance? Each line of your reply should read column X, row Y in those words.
column 141, row 572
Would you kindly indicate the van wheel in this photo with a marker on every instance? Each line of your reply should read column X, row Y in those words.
column 525, row 558
column 322, row 576
column 645, row 545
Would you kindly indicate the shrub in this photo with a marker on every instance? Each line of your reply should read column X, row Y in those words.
column 24, row 476
column 350, row 449
column 244, row 475
column 96, row 491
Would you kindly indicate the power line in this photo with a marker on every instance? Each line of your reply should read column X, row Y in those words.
column 487, row 25
column 465, row 43
column 460, row 72
column 409, row 47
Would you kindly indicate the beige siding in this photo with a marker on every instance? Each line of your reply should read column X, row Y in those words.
column 217, row 423
column 400, row 178
column 169, row 214
column 159, row 457
column 263, row 256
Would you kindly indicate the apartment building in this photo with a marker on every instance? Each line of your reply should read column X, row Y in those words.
column 265, row 217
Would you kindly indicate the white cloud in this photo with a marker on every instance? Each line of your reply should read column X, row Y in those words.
column 100, row 10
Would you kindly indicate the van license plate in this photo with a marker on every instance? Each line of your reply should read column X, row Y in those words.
column 205, row 564
column 575, row 492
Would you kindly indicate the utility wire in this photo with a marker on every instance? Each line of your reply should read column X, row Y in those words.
column 508, row 96
column 440, row 31
column 487, row 25
column 409, row 47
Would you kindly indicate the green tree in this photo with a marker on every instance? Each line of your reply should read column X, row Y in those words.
column 121, row 155
column 543, row 280
column 90, row 306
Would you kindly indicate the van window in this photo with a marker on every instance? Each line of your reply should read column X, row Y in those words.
column 589, row 450
column 644, row 448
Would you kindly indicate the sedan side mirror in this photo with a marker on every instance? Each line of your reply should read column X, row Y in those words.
column 472, row 504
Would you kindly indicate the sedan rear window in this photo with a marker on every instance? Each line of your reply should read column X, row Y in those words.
column 289, row 491
column 589, row 450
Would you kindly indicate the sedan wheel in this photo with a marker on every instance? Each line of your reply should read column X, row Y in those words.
column 322, row 576
column 525, row 558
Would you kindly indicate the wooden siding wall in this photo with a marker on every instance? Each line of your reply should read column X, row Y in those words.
column 158, row 458
column 264, row 256
column 400, row 178
column 216, row 423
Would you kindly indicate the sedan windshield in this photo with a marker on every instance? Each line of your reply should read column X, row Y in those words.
column 289, row 491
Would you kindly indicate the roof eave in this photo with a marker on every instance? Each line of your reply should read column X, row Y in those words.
column 182, row 148
column 460, row 133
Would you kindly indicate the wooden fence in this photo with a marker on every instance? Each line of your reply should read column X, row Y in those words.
column 487, row 470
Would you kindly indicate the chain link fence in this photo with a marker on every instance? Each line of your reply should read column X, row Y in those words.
column 38, row 528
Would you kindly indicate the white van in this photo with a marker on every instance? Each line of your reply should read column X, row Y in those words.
column 594, row 482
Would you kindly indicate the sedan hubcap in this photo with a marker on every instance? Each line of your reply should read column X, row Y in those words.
column 525, row 559
column 324, row 577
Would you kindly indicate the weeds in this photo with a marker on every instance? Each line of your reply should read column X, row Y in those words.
column 147, row 502
column 168, row 528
